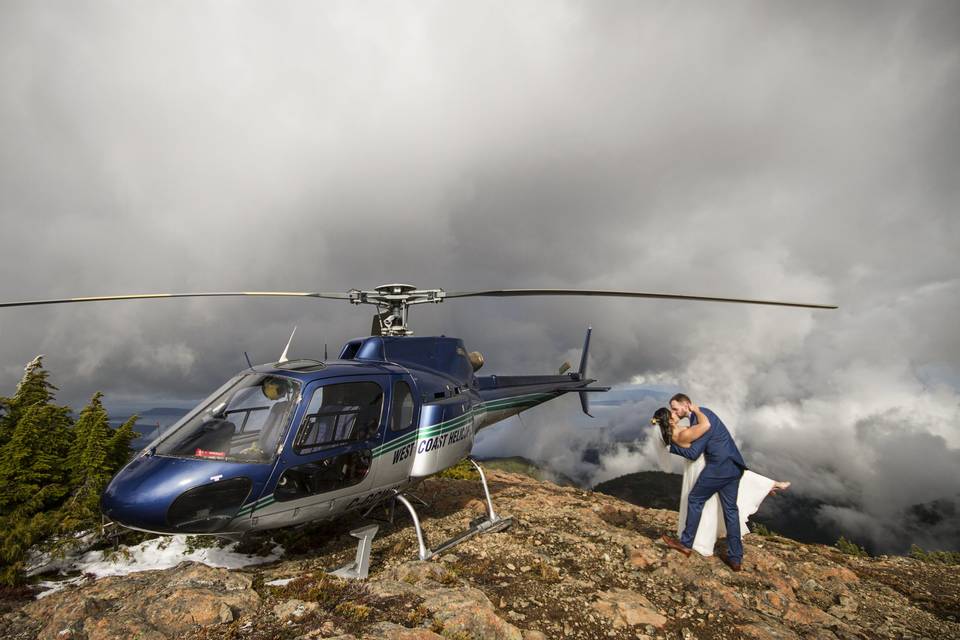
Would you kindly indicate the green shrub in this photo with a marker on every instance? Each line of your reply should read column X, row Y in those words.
column 938, row 557
column 353, row 611
column 463, row 470
column 851, row 548
column 417, row 616
column 326, row 590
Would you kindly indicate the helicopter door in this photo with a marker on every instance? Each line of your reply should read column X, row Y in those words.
column 395, row 456
column 328, row 457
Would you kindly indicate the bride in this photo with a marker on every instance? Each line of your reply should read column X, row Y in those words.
column 752, row 490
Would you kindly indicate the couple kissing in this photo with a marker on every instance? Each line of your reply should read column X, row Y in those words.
column 719, row 492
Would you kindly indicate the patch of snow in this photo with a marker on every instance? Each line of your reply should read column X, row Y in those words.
column 153, row 555
column 45, row 561
column 279, row 582
column 52, row 586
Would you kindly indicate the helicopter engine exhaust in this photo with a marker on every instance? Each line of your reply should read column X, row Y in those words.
column 476, row 360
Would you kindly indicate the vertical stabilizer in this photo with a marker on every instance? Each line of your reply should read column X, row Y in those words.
column 584, row 399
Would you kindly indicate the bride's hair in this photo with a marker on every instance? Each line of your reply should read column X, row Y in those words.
column 661, row 418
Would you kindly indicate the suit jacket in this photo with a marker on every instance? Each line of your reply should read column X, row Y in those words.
column 723, row 459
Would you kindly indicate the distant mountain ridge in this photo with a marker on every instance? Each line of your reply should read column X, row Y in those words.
column 650, row 489
column 165, row 411
column 150, row 423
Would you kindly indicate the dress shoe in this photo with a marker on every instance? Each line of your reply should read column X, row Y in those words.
column 673, row 543
column 733, row 564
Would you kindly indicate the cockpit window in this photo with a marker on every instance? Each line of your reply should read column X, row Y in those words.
column 242, row 422
column 338, row 414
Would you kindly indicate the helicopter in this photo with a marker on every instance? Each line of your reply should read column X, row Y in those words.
column 305, row 439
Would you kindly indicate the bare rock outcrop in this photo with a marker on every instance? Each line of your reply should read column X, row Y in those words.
column 574, row 565
column 625, row 608
column 150, row 605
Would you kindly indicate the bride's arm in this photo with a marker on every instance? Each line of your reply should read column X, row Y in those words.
column 679, row 440
column 684, row 437
column 691, row 451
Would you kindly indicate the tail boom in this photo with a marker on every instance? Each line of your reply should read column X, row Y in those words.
column 505, row 396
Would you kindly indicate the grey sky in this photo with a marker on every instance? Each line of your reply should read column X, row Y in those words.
column 787, row 150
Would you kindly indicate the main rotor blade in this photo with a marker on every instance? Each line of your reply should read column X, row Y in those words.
column 143, row 296
column 503, row 293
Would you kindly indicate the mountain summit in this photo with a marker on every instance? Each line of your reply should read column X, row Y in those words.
column 576, row 564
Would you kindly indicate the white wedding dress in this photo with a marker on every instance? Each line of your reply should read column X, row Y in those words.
column 753, row 489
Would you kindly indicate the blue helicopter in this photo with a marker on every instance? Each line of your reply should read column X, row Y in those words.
column 299, row 440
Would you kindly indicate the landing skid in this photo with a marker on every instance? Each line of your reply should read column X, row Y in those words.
column 360, row 567
column 390, row 507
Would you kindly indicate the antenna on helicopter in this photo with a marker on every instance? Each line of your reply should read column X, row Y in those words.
column 283, row 356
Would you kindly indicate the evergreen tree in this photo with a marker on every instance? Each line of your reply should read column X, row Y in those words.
column 90, row 466
column 34, row 484
column 17, row 534
column 52, row 473
column 33, row 389
column 119, row 446
column 37, row 436
column 32, row 473
column 89, row 452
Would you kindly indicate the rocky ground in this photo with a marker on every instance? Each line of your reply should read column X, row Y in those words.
column 576, row 564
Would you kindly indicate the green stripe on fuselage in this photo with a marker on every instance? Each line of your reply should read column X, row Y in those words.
column 259, row 504
column 455, row 423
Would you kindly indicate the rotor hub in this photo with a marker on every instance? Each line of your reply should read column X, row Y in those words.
column 392, row 302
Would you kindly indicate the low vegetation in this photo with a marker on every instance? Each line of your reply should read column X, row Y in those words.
column 348, row 603
column 761, row 530
column 195, row 543
column 938, row 557
column 463, row 470
column 851, row 548
column 329, row 592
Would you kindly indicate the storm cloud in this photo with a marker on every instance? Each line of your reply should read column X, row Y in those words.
column 792, row 151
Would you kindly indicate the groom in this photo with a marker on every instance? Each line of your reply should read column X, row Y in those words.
column 724, row 466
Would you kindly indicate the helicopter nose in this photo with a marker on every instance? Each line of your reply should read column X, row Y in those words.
column 136, row 499
column 172, row 495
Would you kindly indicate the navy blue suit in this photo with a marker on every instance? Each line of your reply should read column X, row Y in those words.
column 721, row 475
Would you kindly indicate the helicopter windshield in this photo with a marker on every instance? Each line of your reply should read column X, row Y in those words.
column 243, row 422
